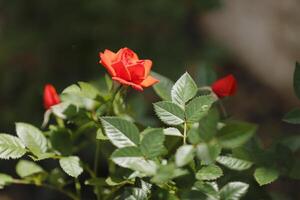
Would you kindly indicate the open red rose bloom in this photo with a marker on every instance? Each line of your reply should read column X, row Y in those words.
column 126, row 68
column 51, row 97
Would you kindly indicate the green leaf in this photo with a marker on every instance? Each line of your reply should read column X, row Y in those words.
column 11, row 147
column 33, row 138
column 208, row 125
column 292, row 142
column 193, row 135
column 163, row 87
column 199, row 107
column 132, row 158
column 72, row 89
column 61, row 140
column 208, row 153
column 135, row 193
column 152, row 144
column 166, row 173
column 79, row 101
column 265, row 175
column 120, row 132
column 235, row 134
column 297, row 80
column 233, row 191
column 293, row 117
column 172, row 132
column 183, row 90
column 169, row 112
column 210, row 189
column 88, row 90
column 25, row 168
column 210, row 172
column 71, row 165
column 184, row 155
column 234, row 163
column 5, row 180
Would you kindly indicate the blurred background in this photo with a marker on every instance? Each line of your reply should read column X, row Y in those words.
column 58, row 42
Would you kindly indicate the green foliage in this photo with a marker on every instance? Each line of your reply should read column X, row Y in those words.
column 5, row 180
column 235, row 134
column 163, row 88
column 208, row 153
column 293, row 117
column 152, row 144
column 165, row 173
column 71, row 165
column 172, row 132
column 25, row 168
column 11, row 147
column 183, row 90
column 198, row 107
column 208, row 173
column 120, row 132
column 184, row 155
column 132, row 158
column 265, row 175
column 234, row 163
column 233, row 191
column 180, row 161
column 33, row 138
column 169, row 112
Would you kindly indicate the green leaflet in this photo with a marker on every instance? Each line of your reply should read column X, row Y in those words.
column 210, row 172
column 198, row 107
column 234, row 163
column 235, row 134
column 71, row 165
column 168, row 112
column 25, row 168
column 33, row 138
column 163, row 87
column 152, row 144
column 265, row 175
column 132, row 158
column 11, row 147
column 120, row 132
column 233, row 191
column 183, row 90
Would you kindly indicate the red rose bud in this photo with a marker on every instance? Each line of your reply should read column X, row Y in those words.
column 51, row 97
column 126, row 68
column 225, row 86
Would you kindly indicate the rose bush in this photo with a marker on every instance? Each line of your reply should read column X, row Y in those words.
column 196, row 153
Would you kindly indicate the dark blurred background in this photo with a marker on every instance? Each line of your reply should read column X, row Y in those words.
column 58, row 41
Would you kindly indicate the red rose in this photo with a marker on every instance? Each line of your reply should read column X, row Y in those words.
column 51, row 97
column 126, row 68
column 225, row 87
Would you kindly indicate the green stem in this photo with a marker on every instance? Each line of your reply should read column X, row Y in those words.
column 96, row 159
column 96, row 164
column 223, row 110
column 60, row 122
column 78, row 188
column 113, row 97
column 184, row 132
